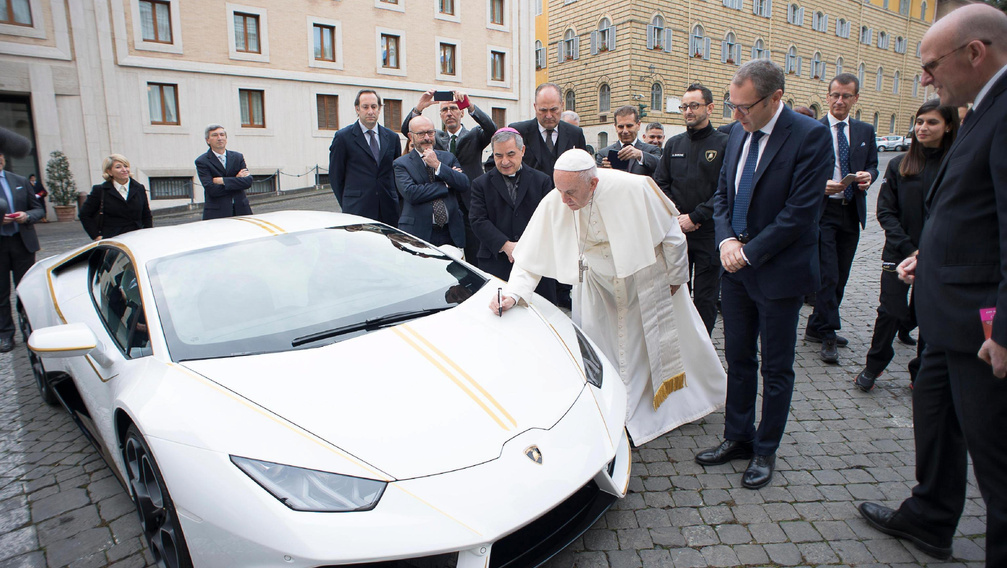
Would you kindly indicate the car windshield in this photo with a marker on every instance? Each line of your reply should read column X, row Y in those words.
column 302, row 289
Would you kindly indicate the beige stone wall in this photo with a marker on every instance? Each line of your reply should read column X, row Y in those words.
column 631, row 69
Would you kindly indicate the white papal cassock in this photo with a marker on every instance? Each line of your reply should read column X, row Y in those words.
column 634, row 251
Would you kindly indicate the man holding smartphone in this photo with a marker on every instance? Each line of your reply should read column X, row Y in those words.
column 18, row 242
column 467, row 144
column 845, row 210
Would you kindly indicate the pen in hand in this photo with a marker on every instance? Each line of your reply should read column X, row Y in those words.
column 500, row 302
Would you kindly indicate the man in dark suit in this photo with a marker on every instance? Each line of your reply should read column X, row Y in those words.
column 467, row 144
column 224, row 177
column 503, row 201
column 18, row 242
column 546, row 136
column 766, row 211
column 688, row 174
column 360, row 163
column 844, row 212
column 431, row 183
column 642, row 157
column 960, row 395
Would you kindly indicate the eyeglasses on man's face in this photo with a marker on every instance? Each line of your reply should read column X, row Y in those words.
column 691, row 106
column 744, row 109
column 845, row 96
column 930, row 66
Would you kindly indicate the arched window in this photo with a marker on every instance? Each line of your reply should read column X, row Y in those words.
column 604, row 98
column 820, row 22
column 791, row 62
column 858, row 114
column 860, row 73
column 817, row 67
column 895, row 83
column 759, row 51
column 539, row 55
column 891, row 127
column 657, row 97
column 727, row 110
column 816, row 109
column 657, row 36
column 602, row 139
column 923, row 10
column 882, row 40
column 916, row 86
column 699, row 44
column 879, row 79
column 839, row 65
column 571, row 47
column 605, row 35
column 730, row 49
column 571, row 101
column 842, row 28
column 790, row 103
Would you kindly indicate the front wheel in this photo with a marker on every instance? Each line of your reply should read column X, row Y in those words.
column 158, row 519
column 37, row 369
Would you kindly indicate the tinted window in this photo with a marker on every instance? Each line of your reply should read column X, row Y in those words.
column 116, row 295
column 261, row 295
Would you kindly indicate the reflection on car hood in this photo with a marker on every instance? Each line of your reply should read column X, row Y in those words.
column 432, row 395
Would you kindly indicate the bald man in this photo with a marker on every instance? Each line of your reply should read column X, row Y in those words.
column 960, row 395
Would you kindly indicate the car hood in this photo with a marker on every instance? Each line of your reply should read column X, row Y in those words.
column 432, row 395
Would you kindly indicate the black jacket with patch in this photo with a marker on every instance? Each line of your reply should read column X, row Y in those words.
column 690, row 169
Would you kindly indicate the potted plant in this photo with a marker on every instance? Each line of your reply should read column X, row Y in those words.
column 62, row 187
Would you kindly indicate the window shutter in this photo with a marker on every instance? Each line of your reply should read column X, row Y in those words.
column 755, row 7
column 737, row 54
column 723, row 51
column 559, row 51
column 667, row 40
column 576, row 48
column 650, row 36
column 769, row 8
column 594, row 43
column 611, row 38
column 800, row 17
column 825, row 22
column 754, row 53
column 799, row 61
column 706, row 48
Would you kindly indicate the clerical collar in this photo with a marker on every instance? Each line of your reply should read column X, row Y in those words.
column 698, row 133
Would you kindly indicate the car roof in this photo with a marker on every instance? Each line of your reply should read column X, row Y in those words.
column 150, row 244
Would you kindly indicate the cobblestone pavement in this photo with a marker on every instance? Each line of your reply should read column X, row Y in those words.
column 60, row 505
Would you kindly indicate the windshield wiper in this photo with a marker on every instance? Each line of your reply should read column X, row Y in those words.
column 372, row 324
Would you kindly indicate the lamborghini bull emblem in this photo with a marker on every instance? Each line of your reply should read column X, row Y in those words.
column 534, row 454
column 711, row 155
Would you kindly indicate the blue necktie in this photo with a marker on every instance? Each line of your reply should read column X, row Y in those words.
column 844, row 158
column 8, row 195
column 373, row 143
column 739, row 221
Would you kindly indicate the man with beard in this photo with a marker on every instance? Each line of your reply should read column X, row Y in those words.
column 642, row 158
column 688, row 174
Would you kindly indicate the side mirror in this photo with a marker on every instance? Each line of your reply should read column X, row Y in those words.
column 61, row 341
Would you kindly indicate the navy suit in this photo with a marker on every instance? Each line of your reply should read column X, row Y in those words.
column 418, row 194
column 227, row 199
column 957, row 401
column 496, row 219
column 764, row 298
column 362, row 185
column 840, row 230
column 536, row 155
column 17, row 252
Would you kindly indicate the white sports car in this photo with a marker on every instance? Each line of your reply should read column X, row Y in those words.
column 306, row 389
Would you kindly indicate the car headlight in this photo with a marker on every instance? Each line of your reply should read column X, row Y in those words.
column 312, row 490
column 592, row 363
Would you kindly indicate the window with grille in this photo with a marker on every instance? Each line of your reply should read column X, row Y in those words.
column 263, row 184
column 170, row 187
column 499, row 115
column 328, row 111
column 393, row 114
column 657, row 97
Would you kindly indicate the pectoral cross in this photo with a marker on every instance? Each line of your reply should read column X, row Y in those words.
column 581, row 269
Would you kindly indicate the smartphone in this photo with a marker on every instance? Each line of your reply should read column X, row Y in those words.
column 444, row 96
column 850, row 178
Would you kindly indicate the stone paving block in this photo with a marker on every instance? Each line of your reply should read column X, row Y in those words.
column 800, row 531
column 852, row 552
column 601, row 540
column 747, row 514
column 13, row 513
column 968, row 550
column 733, row 534
column 590, row 560
column 31, row 560
column 781, row 511
column 817, row 553
column 67, row 525
column 700, row 535
column 634, row 539
column 80, row 546
column 667, row 536
column 749, row 554
column 784, row 553
column 687, row 558
column 716, row 515
column 623, row 559
column 18, row 542
column 659, row 558
column 55, row 504
column 658, row 500
column 765, row 533
column 720, row 555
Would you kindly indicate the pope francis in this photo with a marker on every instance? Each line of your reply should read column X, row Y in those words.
column 614, row 236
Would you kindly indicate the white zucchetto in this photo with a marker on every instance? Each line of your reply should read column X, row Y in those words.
column 574, row 160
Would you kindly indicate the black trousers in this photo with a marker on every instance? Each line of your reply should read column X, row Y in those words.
column 748, row 317
column 15, row 260
column 471, row 240
column 896, row 311
column 440, row 236
column 704, row 274
column 500, row 267
column 837, row 244
column 958, row 407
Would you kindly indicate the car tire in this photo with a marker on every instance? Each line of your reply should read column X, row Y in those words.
column 45, row 390
column 158, row 520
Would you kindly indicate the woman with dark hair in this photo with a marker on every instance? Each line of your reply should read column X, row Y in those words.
column 900, row 212
column 117, row 206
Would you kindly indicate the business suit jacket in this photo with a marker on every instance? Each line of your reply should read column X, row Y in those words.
column 120, row 215
column 470, row 143
column 223, row 199
column 24, row 200
column 651, row 157
column 785, row 205
column 863, row 158
column 959, row 268
column 497, row 219
column 535, row 153
column 361, row 185
column 418, row 192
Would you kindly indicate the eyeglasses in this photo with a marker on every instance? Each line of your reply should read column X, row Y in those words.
column 929, row 67
column 844, row 96
column 744, row 109
column 424, row 133
column 691, row 106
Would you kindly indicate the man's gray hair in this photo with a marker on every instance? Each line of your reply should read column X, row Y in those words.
column 654, row 125
column 585, row 176
column 766, row 76
column 210, row 128
column 502, row 136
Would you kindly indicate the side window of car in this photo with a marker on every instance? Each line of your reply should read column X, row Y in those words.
column 116, row 295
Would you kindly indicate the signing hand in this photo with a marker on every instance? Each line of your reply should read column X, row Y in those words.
column 995, row 356
column 507, row 304
column 731, row 257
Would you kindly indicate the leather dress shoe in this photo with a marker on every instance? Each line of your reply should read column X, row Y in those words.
column 759, row 472
column 728, row 450
column 905, row 338
column 828, row 352
column 890, row 522
column 6, row 344
column 865, row 380
column 840, row 340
